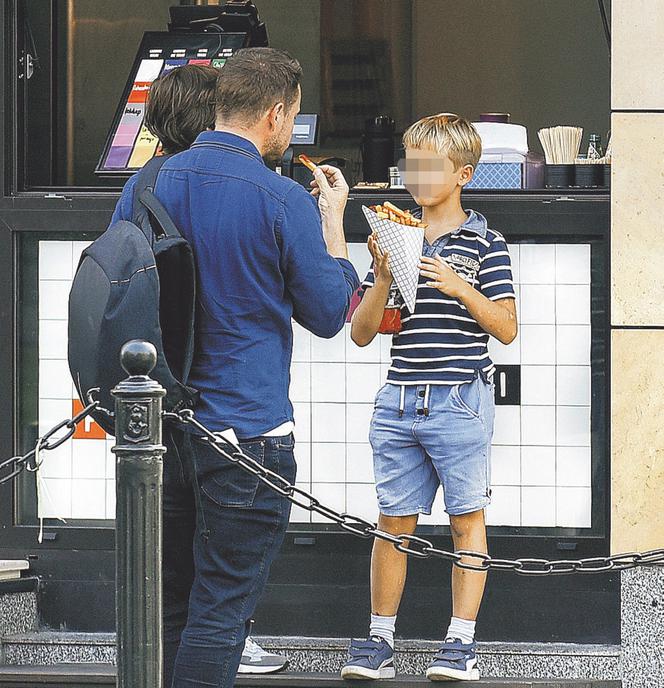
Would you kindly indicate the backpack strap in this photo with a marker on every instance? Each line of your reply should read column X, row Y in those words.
column 148, row 211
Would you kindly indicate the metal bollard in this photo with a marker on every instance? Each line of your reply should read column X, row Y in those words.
column 138, row 524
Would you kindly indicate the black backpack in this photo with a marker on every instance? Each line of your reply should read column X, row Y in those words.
column 136, row 281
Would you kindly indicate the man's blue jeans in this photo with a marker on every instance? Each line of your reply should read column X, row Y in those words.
column 222, row 530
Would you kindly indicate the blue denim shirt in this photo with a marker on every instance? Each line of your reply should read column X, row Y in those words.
column 261, row 260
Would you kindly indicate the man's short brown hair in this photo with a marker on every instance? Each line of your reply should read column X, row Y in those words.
column 255, row 80
column 181, row 104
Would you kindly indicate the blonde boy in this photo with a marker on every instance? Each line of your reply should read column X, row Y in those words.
column 433, row 419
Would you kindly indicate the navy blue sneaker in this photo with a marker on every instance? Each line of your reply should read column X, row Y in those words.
column 370, row 658
column 455, row 661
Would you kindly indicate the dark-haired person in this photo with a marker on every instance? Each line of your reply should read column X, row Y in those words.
column 181, row 105
column 266, row 252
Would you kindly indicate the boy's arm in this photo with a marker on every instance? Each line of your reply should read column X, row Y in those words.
column 368, row 315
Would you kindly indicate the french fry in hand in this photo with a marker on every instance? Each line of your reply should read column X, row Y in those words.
column 306, row 162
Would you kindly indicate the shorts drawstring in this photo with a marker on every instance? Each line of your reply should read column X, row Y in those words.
column 427, row 394
column 402, row 400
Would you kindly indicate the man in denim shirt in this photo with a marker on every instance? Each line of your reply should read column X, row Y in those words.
column 266, row 252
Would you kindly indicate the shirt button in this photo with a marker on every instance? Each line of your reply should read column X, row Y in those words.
column 421, row 393
column 420, row 412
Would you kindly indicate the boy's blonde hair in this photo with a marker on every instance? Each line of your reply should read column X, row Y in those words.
column 446, row 134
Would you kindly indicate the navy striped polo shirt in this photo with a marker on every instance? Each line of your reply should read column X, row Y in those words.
column 441, row 343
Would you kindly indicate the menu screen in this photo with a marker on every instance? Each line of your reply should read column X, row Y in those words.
column 129, row 144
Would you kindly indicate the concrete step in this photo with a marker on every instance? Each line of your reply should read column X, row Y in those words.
column 87, row 676
column 325, row 656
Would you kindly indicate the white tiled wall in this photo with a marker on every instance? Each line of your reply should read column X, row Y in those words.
column 541, row 455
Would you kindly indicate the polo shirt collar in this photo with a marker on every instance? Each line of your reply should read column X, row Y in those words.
column 228, row 140
column 476, row 222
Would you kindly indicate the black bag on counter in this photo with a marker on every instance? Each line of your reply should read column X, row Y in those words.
column 136, row 281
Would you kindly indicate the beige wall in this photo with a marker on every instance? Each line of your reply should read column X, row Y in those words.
column 637, row 212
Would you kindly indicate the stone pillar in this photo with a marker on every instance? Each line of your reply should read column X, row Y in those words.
column 637, row 324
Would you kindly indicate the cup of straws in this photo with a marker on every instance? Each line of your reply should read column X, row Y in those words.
column 561, row 149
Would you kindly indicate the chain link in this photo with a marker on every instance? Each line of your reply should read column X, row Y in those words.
column 412, row 545
column 17, row 464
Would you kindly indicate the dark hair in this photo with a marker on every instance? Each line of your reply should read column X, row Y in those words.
column 181, row 104
column 254, row 80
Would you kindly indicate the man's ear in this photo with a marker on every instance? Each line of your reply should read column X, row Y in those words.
column 466, row 175
column 275, row 115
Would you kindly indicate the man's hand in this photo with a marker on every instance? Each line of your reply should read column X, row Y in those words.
column 331, row 189
column 381, row 262
column 442, row 277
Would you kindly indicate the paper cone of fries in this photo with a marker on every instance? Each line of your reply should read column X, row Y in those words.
column 404, row 244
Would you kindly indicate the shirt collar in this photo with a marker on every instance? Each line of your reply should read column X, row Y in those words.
column 475, row 222
column 228, row 139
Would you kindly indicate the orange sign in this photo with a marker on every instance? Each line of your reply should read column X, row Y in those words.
column 87, row 429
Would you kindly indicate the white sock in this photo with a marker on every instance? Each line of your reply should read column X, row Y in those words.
column 462, row 629
column 383, row 627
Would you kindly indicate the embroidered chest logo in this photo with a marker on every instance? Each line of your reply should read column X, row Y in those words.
column 464, row 266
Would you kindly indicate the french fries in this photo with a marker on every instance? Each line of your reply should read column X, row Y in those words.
column 306, row 162
column 389, row 211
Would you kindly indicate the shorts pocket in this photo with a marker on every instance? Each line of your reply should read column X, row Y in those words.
column 467, row 398
column 228, row 485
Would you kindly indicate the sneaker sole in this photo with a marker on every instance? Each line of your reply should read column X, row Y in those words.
column 244, row 669
column 365, row 674
column 441, row 674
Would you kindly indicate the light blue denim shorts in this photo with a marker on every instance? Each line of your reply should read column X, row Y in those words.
column 431, row 435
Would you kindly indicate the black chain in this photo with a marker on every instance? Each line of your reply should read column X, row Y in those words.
column 31, row 461
column 410, row 544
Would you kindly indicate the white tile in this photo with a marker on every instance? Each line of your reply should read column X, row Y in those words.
column 384, row 370
column 328, row 382
column 53, row 339
column 330, row 494
column 538, row 304
column 538, row 385
column 300, row 382
column 574, row 507
column 537, row 263
column 573, row 304
column 505, row 354
column 361, row 501
column 505, row 465
column 326, row 350
column 55, row 498
column 358, row 417
column 52, row 412
column 328, row 462
column 359, row 256
column 89, row 459
column 362, row 381
column 54, row 380
column 538, row 506
column 54, row 299
column 55, row 260
column 385, row 343
column 438, row 515
column 507, row 425
column 76, row 250
column 303, row 461
column 298, row 514
column 573, row 426
column 110, row 499
column 301, row 343
column 302, row 416
column 110, row 460
column 362, row 354
column 573, row 385
column 328, row 422
column 573, row 467
column 538, row 465
column 88, row 498
column 538, row 344
column 573, row 344
column 513, row 250
column 505, row 507
column 359, row 463
column 57, row 462
column 538, row 425
column 573, row 263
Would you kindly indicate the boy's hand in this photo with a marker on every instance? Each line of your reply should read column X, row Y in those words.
column 381, row 262
column 442, row 277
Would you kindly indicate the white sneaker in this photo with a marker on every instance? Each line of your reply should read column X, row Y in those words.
column 256, row 660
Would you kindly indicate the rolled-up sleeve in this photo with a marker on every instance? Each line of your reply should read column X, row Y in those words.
column 320, row 286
